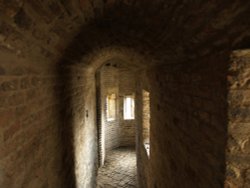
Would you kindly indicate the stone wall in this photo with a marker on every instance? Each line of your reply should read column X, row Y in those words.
column 146, row 116
column 143, row 160
column 42, row 30
column 189, row 124
column 78, row 116
column 43, row 106
column 47, row 124
column 31, row 145
column 127, row 87
column 109, row 84
column 238, row 149
column 47, row 116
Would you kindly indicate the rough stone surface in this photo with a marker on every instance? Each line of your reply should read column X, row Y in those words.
column 30, row 132
column 39, row 145
column 143, row 160
column 188, row 124
column 238, row 148
column 50, row 51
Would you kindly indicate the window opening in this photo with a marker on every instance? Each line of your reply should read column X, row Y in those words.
column 111, row 107
column 129, row 107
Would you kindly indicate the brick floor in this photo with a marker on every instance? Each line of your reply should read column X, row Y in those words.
column 119, row 169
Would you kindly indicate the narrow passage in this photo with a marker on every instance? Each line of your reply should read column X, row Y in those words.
column 119, row 169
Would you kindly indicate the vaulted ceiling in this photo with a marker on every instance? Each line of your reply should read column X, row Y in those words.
column 169, row 31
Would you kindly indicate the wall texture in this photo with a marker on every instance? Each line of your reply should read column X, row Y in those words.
column 146, row 116
column 109, row 84
column 40, row 147
column 189, row 124
column 41, row 128
column 238, row 148
column 47, row 116
column 30, row 132
column 143, row 159
column 126, row 87
column 78, row 113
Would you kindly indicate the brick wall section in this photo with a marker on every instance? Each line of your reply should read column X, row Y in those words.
column 189, row 124
column 146, row 116
column 109, row 85
column 143, row 161
column 127, row 87
column 78, row 116
column 238, row 150
column 49, row 26
column 40, row 31
column 30, row 131
column 43, row 129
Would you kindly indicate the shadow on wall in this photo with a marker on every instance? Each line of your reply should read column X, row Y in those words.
column 189, row 119
column 75, row 79
column 78, row 124
column 68, row 79
column 95, row 36
column 189, row 124
column 78, row 138
column 66, row 119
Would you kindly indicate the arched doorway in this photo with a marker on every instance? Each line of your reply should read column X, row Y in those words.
column 116, row 124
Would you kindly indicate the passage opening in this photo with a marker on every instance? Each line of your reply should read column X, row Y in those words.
column 116, row 126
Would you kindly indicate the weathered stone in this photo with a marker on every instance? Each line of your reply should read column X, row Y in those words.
column 2, row 71
column 119, row 169
column 181, row 53
column 9, row 85
column 238, row 127
column 22, row 20
column 24, row 83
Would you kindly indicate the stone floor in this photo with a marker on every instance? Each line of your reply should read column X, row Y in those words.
column 119, row 169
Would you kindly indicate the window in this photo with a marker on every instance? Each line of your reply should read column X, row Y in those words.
column 129, row 107
column 111, row 107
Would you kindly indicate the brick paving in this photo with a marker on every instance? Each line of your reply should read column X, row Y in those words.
column 119, row 169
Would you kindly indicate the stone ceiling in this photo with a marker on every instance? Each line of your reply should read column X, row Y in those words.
column 169, row 31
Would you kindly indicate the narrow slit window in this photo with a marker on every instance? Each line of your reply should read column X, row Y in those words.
column 129, row 107
column 111, row 107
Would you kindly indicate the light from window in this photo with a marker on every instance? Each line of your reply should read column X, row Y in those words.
column 129, row 107
column 111, row 107
column 146, row 120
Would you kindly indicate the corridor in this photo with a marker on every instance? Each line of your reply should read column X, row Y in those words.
column 119, row 170
column 80, row 78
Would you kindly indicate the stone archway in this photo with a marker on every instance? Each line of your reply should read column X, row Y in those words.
column 89, row 71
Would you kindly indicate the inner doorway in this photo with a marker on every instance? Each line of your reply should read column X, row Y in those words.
column 116, row 119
